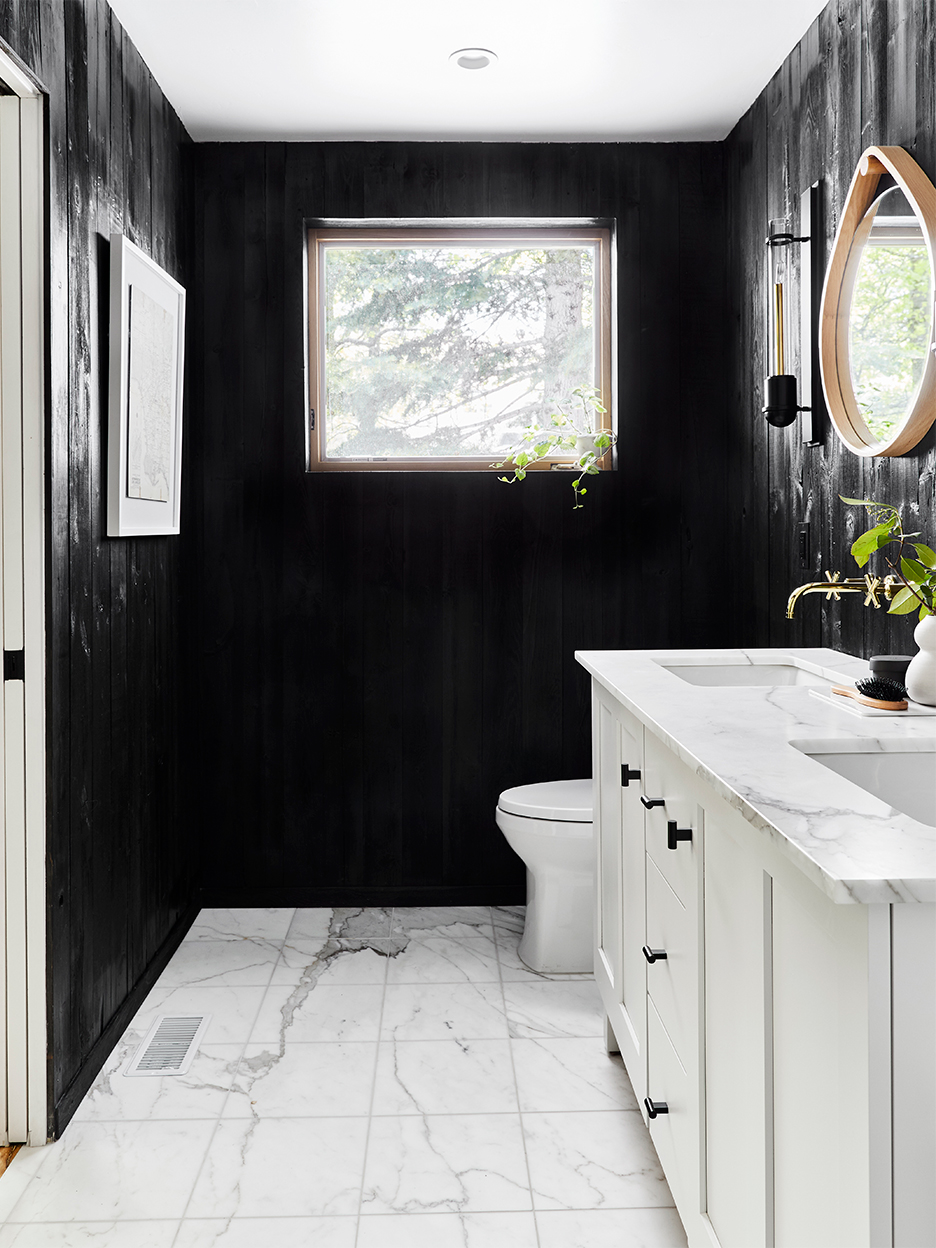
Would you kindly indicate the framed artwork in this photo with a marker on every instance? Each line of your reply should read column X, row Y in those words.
column 144, row 452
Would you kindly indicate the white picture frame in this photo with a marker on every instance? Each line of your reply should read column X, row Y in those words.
column 147, row 350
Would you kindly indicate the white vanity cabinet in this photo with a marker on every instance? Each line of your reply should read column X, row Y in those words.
column 790, row 1037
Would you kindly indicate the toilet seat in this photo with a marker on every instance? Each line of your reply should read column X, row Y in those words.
column 564, row 801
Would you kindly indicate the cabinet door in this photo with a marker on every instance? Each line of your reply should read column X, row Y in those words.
column 820, row 1067
column 675, row 1134
column 620, row 969
column 674, row 1034
column 736, row 902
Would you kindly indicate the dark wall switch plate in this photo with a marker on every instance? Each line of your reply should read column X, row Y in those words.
column 804, row 551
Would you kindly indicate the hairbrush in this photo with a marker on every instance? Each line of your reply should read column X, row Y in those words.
column 884, row 693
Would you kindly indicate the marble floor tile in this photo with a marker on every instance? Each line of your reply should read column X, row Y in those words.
column 445, row 1077
column 611, row 1228
column 593, row 1161
column 351, row 923
column 233, row 1010
column 266, row 1233
column 547, row 1008
column 103, row 1171
column 253, row 924
column 441, row 960
column 370, row 1078
column 508, row 919
column 200, row 1093
column 443, row 1012
column 455, row 922
column 307, row 1081
column 148, row 1234
column 335, row 961
column 17, row 1177
column 313, row 924
column 514, row 970
column 309, row 1012
column 447, row 1230
column 281, row 1167
column 214, row 963
column 570, row 1074
column 446, row 1164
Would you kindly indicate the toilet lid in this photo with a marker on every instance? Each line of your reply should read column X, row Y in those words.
column 566, row 800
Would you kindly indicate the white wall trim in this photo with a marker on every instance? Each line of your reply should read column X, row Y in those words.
column 22, row 429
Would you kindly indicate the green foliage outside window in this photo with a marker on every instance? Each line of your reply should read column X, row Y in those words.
column 451, row 350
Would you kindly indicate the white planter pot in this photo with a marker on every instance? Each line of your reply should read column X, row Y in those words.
column 921, row 674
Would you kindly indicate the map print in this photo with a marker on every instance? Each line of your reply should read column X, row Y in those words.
column 149, row 440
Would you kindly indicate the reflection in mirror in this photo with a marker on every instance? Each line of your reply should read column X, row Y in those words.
column 891, row 315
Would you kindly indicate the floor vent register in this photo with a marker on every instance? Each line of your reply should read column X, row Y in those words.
column 170, row 1045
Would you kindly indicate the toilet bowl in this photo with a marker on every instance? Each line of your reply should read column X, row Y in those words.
column 550, row 827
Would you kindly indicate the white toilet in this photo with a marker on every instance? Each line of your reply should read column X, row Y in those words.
column 550, row 827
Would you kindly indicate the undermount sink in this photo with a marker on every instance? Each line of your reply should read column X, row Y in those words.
column 900, row 773
column 783, row 672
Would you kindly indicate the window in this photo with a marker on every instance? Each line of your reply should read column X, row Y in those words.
column 434, row 348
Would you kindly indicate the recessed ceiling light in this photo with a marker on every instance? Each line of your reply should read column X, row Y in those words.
column 473, row 58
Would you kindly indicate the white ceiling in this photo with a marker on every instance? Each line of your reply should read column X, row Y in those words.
column 379, row 69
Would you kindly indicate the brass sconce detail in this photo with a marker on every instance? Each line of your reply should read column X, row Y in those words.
column 780, row 397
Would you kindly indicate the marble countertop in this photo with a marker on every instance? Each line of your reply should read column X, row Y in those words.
column 853, row 845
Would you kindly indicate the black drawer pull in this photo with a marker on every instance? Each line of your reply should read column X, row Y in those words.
column 650, row 802
column 655, row 1108
column 628, row 774
column 674, row 835
column 654, row 955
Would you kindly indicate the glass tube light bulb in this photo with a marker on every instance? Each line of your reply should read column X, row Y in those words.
column 778, row 263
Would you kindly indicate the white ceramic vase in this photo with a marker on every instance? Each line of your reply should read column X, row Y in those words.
column 921, row 674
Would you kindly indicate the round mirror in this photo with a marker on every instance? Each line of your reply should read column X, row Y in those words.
column 878, row 365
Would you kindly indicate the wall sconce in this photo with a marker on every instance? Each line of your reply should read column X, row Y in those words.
column 780, row 388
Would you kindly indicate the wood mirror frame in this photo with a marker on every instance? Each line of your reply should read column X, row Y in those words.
column 837, row 298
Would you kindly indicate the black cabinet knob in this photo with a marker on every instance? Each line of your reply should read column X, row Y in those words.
column 650, row 802
column 628, row 774
column 654, row 955
column 674, row 835
column 655, row 1108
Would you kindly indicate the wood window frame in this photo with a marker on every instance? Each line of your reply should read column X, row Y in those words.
column 318, row 233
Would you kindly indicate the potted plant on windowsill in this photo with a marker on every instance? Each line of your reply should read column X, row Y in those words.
column 918, row 592
column 564, row 433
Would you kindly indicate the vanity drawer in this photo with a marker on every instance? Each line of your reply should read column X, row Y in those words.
column 673, row 982
column 667, row 786
column 675, row 1134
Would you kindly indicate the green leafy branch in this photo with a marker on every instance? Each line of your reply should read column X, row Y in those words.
column 918, row 575
column 561, row 435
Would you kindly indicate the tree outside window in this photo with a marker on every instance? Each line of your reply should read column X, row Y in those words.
column 444, row 345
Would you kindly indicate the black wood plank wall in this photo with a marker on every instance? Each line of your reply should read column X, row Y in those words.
column 864, row 74
column 380, row 654
column 120, row 863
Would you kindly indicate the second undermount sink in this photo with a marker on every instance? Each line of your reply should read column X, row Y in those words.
column 783, row 672
column 901, row 773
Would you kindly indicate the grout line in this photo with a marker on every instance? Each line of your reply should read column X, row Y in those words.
column 312, row 1217
column 370, row 1107
column 227, row 1094
column 434, row 1113
column 513, row 1067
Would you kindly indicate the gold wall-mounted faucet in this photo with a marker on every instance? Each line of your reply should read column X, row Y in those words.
column 873, row 588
